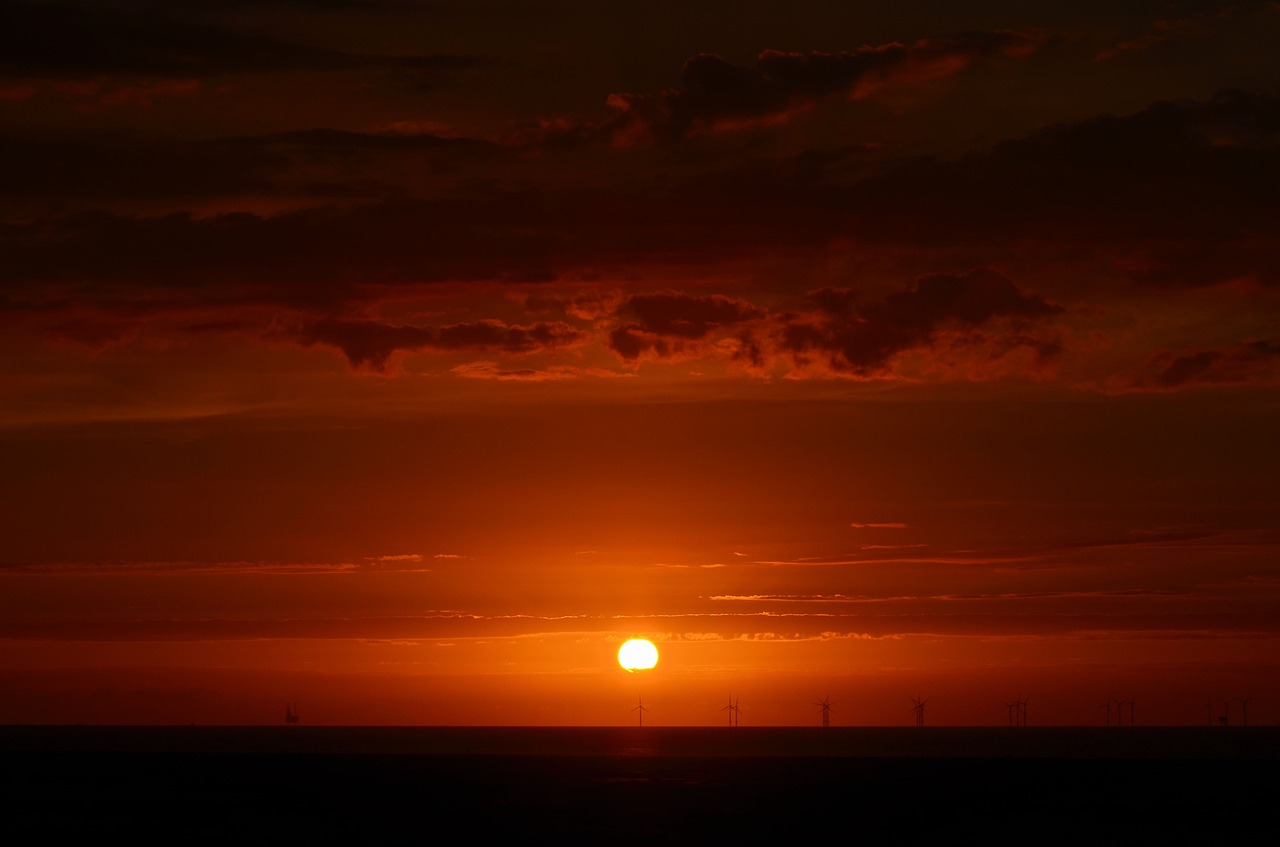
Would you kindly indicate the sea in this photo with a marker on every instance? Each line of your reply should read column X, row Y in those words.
column 639, row 785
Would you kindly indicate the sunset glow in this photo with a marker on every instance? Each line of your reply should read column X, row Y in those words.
column 397, row 361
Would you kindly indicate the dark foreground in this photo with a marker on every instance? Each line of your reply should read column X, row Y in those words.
column 629, row 785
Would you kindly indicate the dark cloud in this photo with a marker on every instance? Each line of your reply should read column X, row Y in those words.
column 631, row 343
column 1191, row 178
column 88, row 40
column 749, row 353
column 1167, row 31
column 372, row 344
column 57, row 170
column 283, row 164
column 712, row 90
column 687, row 316
column 493, row 335
column 302, row 5
column 845, row 334
column 367, row 343
column 465, row 231
column 202, row 7
column 664, row 320
column 862, row 340
column 1248, row 362
column 306, row 257
column 1179, row 194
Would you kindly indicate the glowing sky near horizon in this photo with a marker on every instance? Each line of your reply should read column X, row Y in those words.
column 403, row 360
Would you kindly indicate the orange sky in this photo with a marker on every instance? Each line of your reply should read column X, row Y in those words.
column 402, row 361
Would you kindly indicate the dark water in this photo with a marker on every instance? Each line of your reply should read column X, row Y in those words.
column 629, row 785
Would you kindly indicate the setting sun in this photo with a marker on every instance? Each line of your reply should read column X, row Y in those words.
column 637, row 654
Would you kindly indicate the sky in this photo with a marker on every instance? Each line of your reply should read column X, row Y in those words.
column 401, row 359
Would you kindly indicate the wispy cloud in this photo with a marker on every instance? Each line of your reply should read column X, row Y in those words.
column 372, row 564
column 892, row 546
column 676, row 566
column 110, row 568
column 1127, row 594
column 826, row 635
column 554, row 373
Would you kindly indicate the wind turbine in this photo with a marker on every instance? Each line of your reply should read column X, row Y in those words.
column 1018, row 711
column 825, row 703
column 1120, row 704
column 733, row 710
column 1244, row 709
column 918, row 706
column 1119, row 710
column 640, row 709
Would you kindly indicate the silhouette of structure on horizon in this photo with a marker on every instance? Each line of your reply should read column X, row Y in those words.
column 1224, row 719
column 290, row 713
column 733, row 710
column 917, row 706
column 640, row 710
column 825, row 703
column 1120, row 704
column 1017, row 710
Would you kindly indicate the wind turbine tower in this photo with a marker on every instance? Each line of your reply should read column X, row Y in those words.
column 640, row 710
column 825, row 703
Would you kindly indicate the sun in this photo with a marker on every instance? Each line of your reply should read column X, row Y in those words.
column 637, row 654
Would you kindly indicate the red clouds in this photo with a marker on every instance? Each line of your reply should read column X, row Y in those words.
column 372, row 344
column 863, row 341
column 703, row 248
column 664, row 321
column 1254, row 361
column 845, row 335
column 714, row 93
